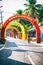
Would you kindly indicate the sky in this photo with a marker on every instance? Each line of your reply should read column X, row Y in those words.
column 12, row 6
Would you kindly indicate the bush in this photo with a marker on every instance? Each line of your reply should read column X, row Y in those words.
column 2, row 41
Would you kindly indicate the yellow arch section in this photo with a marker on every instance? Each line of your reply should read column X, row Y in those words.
column 19, row 33
column 9, row 27
column 22, row 29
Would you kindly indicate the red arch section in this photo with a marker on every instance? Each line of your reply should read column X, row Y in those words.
column 25, row 17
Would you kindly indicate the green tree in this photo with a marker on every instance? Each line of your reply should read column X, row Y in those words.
column 27, row 25
column 19, row 11
column 30, row 7
column 39, row 12
column 34, row 10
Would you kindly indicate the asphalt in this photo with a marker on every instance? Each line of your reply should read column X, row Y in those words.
column 18, row 52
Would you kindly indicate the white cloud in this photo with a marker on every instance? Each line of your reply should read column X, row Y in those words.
column 40, row 1
column 13, row 5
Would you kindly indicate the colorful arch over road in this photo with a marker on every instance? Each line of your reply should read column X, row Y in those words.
column 14, row 28
column 11, row 33
column 22, row 30
column 25, row 17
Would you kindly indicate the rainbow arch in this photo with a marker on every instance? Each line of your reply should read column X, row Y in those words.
column 25, row 17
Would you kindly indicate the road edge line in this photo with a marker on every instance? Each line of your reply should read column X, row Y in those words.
column 31, row 60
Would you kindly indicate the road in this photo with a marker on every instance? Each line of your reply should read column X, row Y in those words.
column 21, row 53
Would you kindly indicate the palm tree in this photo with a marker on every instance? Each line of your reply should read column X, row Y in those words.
column 19, row 11
column 27, row 25
column 34, row 10
column 39, row 12
column 30, row 7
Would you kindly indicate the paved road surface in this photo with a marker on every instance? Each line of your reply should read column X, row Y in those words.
column 21, row 53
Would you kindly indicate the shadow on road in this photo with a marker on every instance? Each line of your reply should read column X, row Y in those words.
column 4, row 60
column 12, row 62
column 10, row 44
column 5, row 53
column 20, row 50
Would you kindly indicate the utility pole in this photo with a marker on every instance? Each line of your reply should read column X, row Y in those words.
column 1, row 11
column 1, row 16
